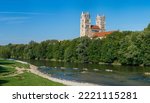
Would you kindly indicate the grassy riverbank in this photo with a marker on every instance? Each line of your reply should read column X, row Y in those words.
column 10, row 76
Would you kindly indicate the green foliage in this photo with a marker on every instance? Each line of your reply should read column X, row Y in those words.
column 94, row 51
column 127, row 47
column 70, row 54
column 110, row 47
column 133, row 49
column 147, row 28
column 82, row 49
column 143, row 41
column 5, row 52
column 56, row 51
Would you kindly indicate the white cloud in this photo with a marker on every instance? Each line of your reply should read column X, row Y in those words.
column 27, row 13
column 13, row 18
column 15, row 22
column 18, row 17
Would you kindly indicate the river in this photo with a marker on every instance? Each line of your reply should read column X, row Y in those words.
column 94, row 73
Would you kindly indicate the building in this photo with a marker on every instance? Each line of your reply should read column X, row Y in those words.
column 85, row 25
column 98, row 30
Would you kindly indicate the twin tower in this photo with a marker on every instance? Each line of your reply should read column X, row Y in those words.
column 86, row 29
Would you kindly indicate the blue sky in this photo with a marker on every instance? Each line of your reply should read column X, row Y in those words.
column 24, row 20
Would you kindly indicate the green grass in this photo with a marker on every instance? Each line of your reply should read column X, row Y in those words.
column 6, row 62
column 17, row 64
column 6, row 70
column 13, row 63
column 28, row 79
column 7, row 67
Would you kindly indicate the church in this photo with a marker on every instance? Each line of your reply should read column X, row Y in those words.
column 93, row 31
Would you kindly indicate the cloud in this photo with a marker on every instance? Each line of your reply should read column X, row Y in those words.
column 19, row 17
column 13, row 18
column 16, row 22
column 16, row 17
column 26, row 13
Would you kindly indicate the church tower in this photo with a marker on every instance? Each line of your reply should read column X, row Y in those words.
column 100, row 21
column 85, row 25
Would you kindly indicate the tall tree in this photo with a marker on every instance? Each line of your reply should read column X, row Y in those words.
column 82, row 49
column 94, row 51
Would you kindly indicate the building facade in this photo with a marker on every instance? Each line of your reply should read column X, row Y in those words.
column 86, row 29
column 85, row 24
column 100, row 22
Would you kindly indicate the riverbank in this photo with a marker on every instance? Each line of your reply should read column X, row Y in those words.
column 16, row 73
column 22, row 73
column 34, row 69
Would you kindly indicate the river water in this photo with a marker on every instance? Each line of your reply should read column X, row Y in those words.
column 95, row 73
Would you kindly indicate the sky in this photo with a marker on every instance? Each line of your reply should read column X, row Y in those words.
column 24, row 20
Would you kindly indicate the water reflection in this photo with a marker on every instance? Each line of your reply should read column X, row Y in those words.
column 98, row 74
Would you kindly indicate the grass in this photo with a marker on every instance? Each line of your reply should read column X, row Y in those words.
column 6, row 62
column 17, row 64
column 6, row 70
column 28, row 79
column 7, row 67
column 13, row 63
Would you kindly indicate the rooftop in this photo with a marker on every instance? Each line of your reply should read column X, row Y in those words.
column 95, row 27
column 103, row 34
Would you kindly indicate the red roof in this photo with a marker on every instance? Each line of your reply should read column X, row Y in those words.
column 102, row 34
column 95, row 27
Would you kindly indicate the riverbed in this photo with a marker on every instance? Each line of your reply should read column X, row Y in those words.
column 94, row 73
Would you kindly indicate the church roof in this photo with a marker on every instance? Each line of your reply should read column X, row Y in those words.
column 95, row 27
column 103, row 34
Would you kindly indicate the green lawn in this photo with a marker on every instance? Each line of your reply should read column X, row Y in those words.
column 6, row 70
column 27, row 79
column 13, row 63
column 7, row 67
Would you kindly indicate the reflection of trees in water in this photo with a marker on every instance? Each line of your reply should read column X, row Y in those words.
column 126, row 69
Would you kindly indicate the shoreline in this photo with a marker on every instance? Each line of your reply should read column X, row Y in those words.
column 34, row 69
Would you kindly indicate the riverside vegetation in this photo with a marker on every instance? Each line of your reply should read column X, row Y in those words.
column 11, row 76
column 126, row 48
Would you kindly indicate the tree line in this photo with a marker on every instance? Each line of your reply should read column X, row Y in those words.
column 126, row 48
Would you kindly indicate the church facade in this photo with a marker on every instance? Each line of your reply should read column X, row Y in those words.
column 91, row 31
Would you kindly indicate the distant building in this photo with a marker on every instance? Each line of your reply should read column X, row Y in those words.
column 85, row 25
column 98, row 30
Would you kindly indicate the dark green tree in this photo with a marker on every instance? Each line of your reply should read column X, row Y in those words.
column 94, row 51
column 5, row 52
column 147, row 28
column 82, row 49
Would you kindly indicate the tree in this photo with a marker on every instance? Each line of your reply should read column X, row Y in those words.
column 82, row 49
column 32, row 52
column 143, row 41
column 49, row 49
column 94, row 51
column 110, row 47
column 5, row 52
column 56, row 52
column 147, row 28
column 130, row 52
column 127, row 47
